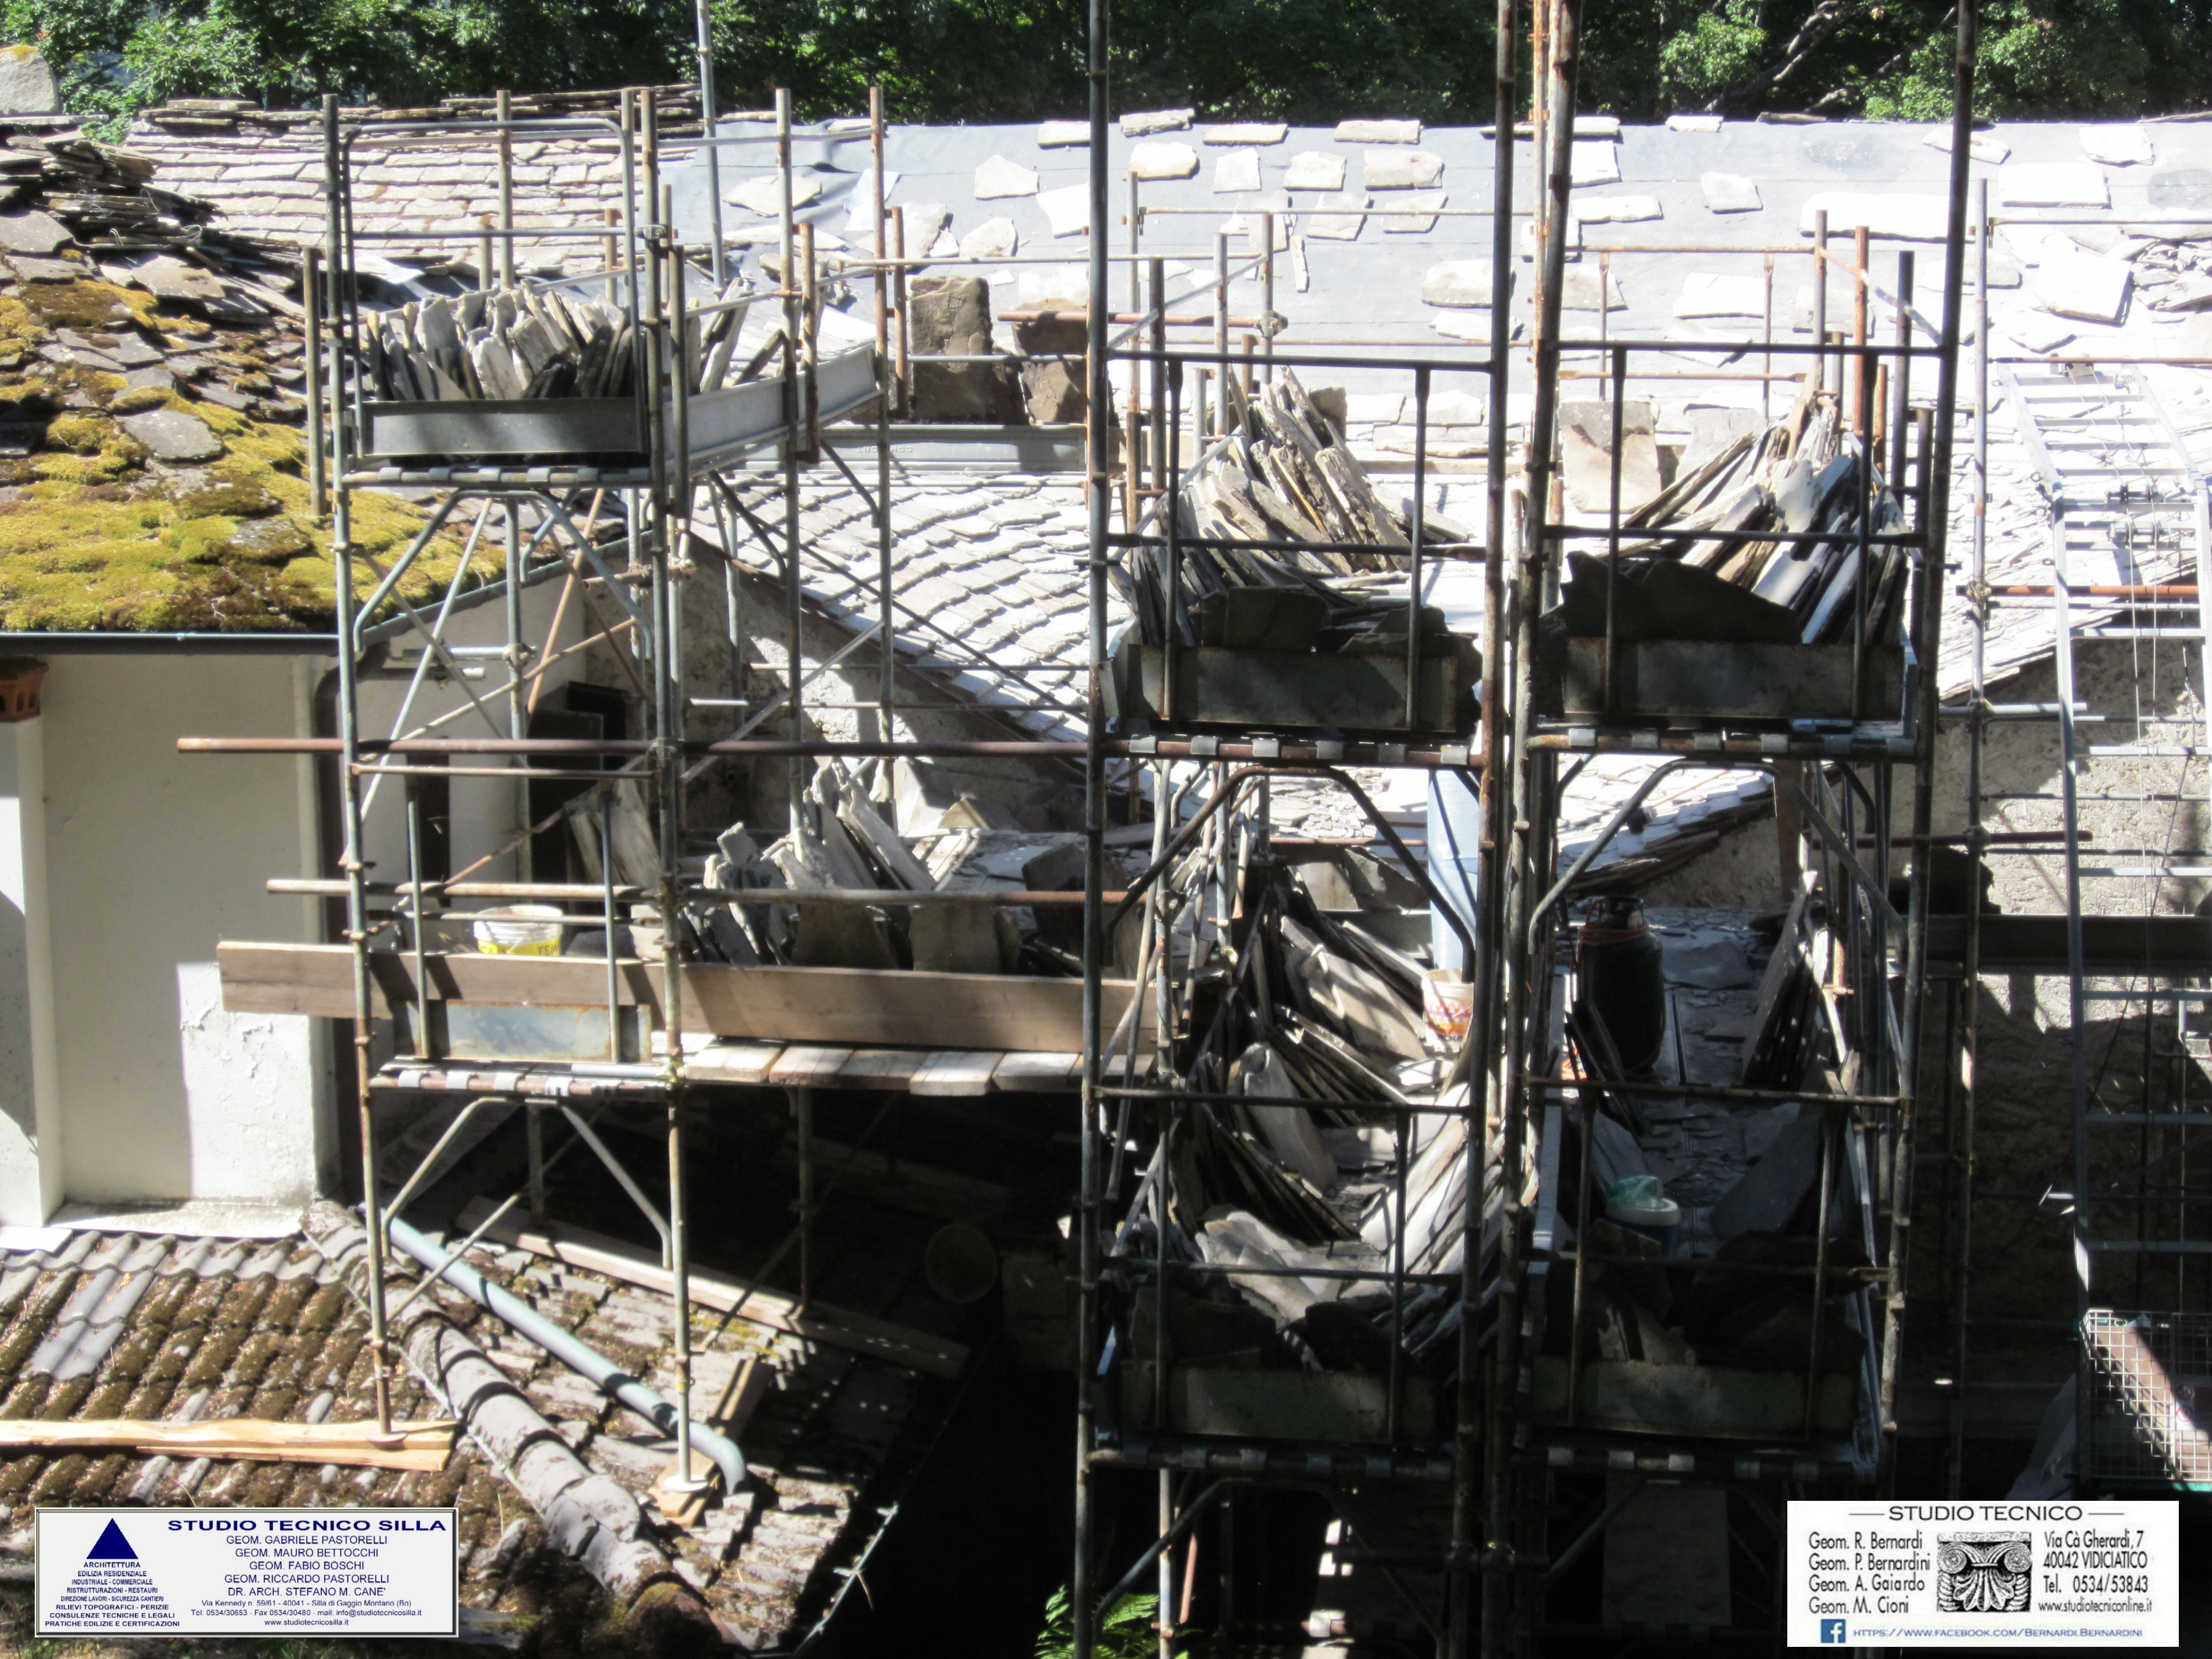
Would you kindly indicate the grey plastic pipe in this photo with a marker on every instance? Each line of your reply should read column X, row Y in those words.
column 587, row 1362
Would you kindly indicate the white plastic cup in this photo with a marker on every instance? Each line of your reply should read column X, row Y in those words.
column 1447, row 1003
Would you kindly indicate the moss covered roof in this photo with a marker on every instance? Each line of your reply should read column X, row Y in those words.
column 198, row 522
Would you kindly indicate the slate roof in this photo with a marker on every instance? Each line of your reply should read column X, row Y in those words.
column 152, row 464
column 104, row 1325
column 987, row 578
column 994, row 562
column 1368, row 287
column 267, row 168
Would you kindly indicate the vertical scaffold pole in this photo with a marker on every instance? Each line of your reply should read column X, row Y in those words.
column 1978, row 603
column 1529, row 776
column 518, row 706
column 311, row 297
column 667, row 365
column 887, row 686
column 1476, row 1058
column 1221, row 422
column 703, row 27
column 1099, row 403
column 504, row 109
column 349, row 720
column 787, row 244
column 1927, row 646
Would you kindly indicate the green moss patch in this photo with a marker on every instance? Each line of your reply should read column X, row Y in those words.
column 106, row 539
column 233, row 490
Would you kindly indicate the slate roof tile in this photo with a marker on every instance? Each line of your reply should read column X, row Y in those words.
column 116, row 1324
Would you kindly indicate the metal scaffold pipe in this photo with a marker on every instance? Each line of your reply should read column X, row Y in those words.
column 1927, row 644
column 1474, row 1064
column 1355, row 753
column 1530, row 777
column 1099, row 401
column 349, row 717
column 702, row 23
column 587, row 1362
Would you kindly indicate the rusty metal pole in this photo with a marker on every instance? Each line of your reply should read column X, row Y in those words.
column 1098, row 402
column 1531, row 779
column 1477, row 1058
column 311, row 299
column 1926, row 646
column 1861, row 368
column 506, row 113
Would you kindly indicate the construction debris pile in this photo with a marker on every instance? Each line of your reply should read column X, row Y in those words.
column 1687, row 570
column 1319, row 1025
column 884, row 826
column 1318, row 1029
column 1736, row 1296
column 542, row 341
column 103, row 192
column 1285, row 474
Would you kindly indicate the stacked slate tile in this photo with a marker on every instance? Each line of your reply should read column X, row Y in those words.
column 1283, row 475
column 534, row 341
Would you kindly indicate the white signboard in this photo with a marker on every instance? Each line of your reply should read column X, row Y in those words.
column 2069, row 1573
column 223, row 1573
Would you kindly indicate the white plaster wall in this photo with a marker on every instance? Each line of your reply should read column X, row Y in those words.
column 152, row 858
column 30, row 1138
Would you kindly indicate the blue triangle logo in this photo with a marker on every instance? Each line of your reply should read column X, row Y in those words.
column 112, row 1547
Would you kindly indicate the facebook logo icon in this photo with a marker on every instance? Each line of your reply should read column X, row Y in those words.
column 1831, row 1630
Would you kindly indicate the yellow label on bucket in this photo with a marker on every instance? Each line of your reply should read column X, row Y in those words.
column 536, row 947
column 532, row 932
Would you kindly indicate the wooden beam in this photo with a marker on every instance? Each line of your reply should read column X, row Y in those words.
column 956, row 1072
column 1044, row 1072
column 423, row 1446
column 578, row 1247
column 834, row 1006
column 806, row 1066
column 733, row 1062
column 881, row 1068
column 1789, row 946
column 891, row 1008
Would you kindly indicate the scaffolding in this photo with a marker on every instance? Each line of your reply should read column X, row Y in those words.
column 2123, row 563
column 1476, row 1502
column 1848, row 744
column 616, row 497
column 604, row 492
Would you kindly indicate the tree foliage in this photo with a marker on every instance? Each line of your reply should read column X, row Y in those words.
column 1127, row 1631
column 114, row 57
column 978, row 60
